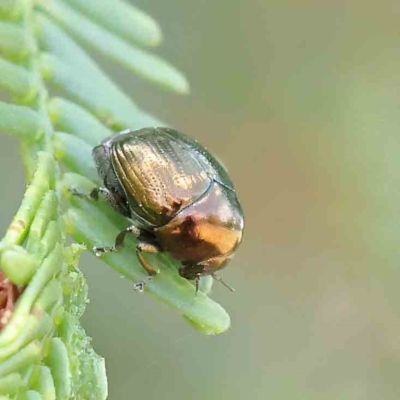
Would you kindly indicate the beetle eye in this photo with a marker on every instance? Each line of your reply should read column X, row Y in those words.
column 102, row 161
column 101, row 171
column 102, row 167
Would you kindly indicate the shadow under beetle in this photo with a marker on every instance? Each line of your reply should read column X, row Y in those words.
column 179, row 198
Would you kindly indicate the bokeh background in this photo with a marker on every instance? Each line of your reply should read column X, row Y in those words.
column 301, row 102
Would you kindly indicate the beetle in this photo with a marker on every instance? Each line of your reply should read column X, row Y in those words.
column 178, row 197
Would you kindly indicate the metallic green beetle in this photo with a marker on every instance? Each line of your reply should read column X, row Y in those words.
column 177, row 195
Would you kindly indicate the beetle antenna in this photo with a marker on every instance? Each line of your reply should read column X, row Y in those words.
column 219, row 279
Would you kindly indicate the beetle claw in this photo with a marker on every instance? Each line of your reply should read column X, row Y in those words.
column 99, row 251
column 140, row 286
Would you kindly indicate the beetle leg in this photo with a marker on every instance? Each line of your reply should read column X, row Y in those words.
column 197, row 282
column 142, row 246
column 105, row 194
column 88, row 196
column 119, row 241
column 147, row 248
column 112, row 199
column 93, row 195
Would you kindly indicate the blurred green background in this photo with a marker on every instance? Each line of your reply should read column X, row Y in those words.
column 301, row 102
